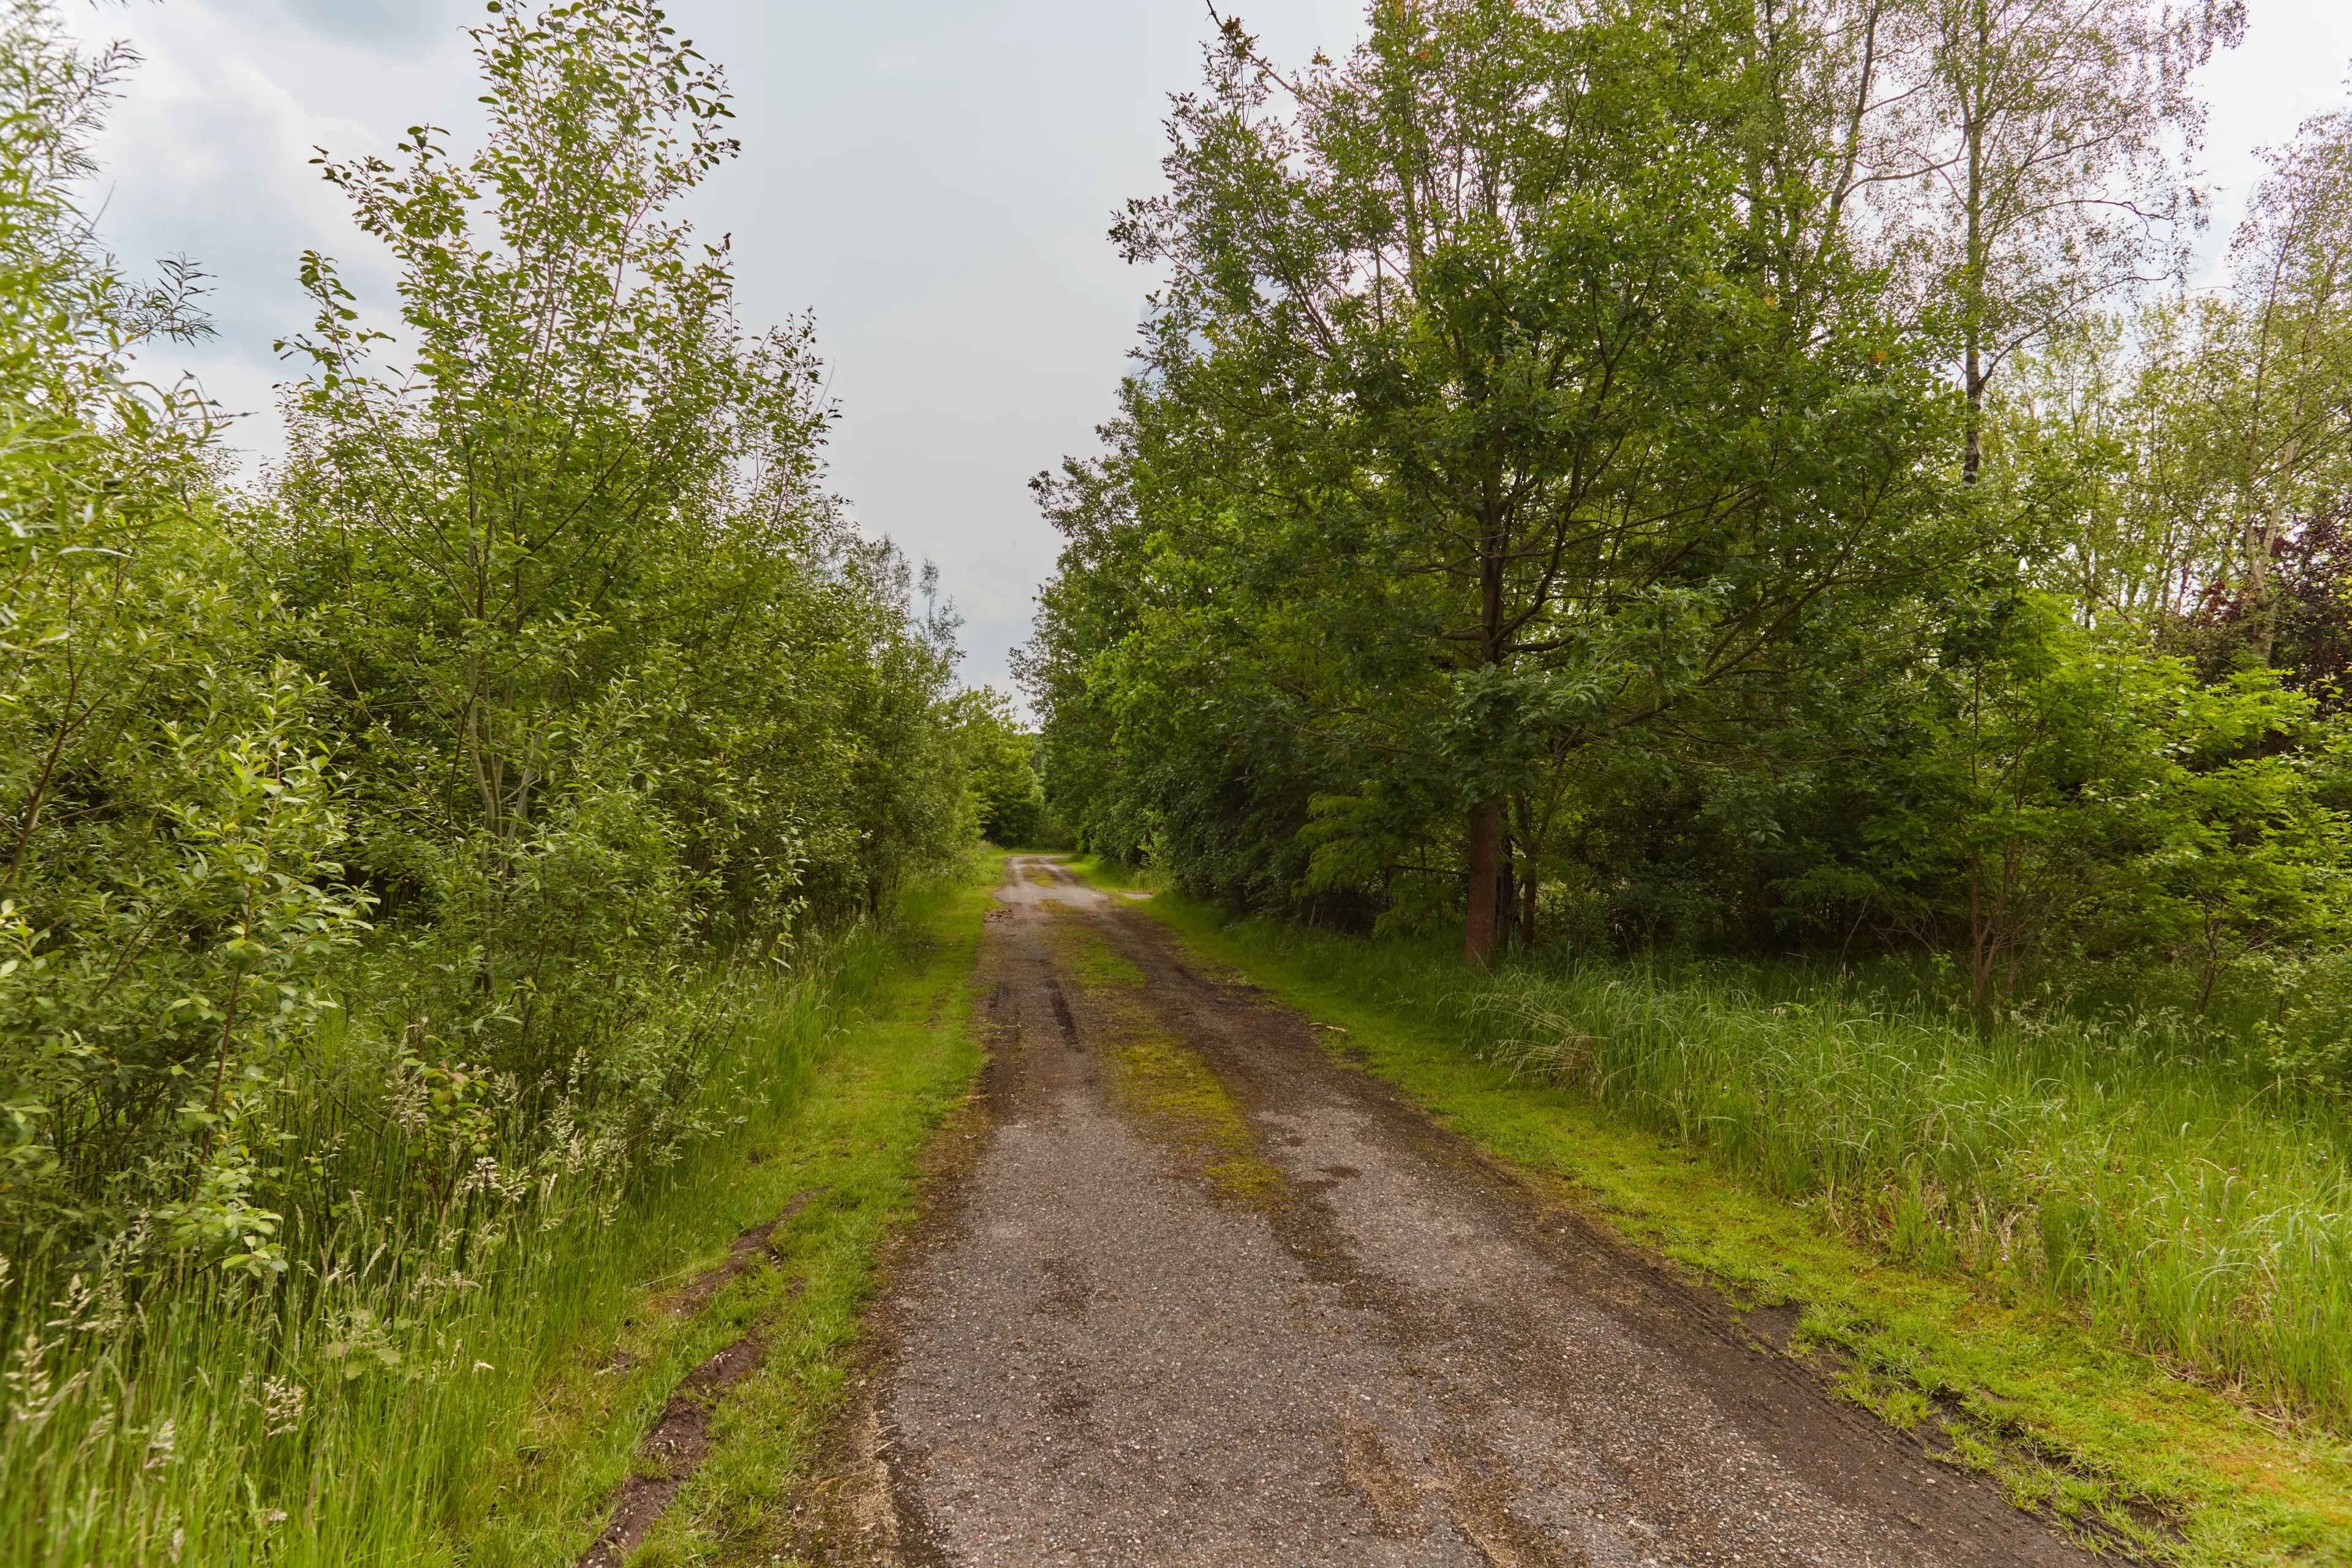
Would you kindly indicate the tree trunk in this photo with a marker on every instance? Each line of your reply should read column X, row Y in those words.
column 2261, row 555
column 1973, row 131
column 1507, row 884
column 1485, row 915
column 1485, row 858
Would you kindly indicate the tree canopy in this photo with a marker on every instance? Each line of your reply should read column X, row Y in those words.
column 1624, row 472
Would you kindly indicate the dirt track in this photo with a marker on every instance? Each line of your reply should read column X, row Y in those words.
column 1202, row 1296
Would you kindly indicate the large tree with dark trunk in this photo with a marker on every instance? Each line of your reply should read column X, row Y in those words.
column 1519, row 361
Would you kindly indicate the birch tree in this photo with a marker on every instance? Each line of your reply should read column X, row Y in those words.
column 2046, row 138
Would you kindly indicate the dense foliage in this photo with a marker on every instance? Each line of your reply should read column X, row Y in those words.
column 540, row 667
column 403, row 852
column 1622, row 473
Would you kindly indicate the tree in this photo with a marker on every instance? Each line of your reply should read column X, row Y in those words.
column 2038, row 131
column 613, row 675
column 1473, row 361
column 1000, row 756
column 2070, row 788
column 169, row 897
column 2294, row 358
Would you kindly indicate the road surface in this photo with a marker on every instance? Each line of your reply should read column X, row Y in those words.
column 1201, row 1294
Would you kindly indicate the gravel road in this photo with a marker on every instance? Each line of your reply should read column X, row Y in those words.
column 1200, row 1295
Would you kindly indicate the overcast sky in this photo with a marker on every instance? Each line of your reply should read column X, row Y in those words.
column 933, row 178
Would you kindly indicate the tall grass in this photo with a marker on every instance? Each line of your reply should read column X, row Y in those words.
column 2114, row 1166
column 151, row 1412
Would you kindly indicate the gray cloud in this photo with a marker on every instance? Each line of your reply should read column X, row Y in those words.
column 207, row 153
column 404, row 27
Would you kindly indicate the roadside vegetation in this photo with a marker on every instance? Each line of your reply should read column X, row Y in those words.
column 1733, row 520
column 839, row 1149
column 429, row 873
column 1981, row 1241
column 492, row 1413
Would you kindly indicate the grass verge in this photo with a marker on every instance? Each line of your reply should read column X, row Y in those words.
column 479, row 1398
column 2118, row 1445
column 845, row 1158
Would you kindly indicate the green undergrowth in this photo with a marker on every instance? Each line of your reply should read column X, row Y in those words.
column 2002, row 1371
column 844, row 1159
column 480, row 1402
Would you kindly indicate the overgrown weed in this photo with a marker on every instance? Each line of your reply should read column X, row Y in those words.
column 158, row 1410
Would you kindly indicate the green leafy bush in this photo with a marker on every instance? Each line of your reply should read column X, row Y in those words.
column 170, row 905
column 405, row 862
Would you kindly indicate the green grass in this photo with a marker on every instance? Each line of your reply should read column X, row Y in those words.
column 482, row 1408
column 1811, row 1149
column 2183, row 1210
column 1092, row 963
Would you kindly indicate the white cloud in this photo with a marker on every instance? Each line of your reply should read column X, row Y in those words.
column 208, row 154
